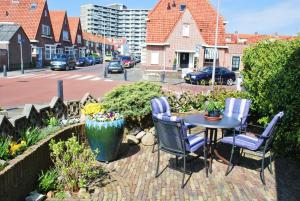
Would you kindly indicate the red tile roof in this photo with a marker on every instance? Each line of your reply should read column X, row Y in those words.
column 57, row 21
column 23, row 13
column 95, row 38
column 161, row 21
column 254, row 38
column 73, row 24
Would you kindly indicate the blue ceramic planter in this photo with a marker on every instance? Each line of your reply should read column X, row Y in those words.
column 106, row 137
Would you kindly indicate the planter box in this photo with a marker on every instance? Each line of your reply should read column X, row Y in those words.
column 20, row 176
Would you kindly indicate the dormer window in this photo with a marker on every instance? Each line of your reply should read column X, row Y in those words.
column 242, row 40
column 33, row 6
column 65, row 35
column 182, row 7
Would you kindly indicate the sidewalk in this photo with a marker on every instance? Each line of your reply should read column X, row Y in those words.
column 27, row 71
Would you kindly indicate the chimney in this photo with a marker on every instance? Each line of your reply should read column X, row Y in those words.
column 174, row 4
column 169, row 6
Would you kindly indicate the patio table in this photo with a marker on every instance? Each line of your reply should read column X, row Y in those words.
column 213, row 126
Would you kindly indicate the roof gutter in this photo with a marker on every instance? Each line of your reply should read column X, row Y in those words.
column 4, row 42
column 157, row 44
column 219, row 46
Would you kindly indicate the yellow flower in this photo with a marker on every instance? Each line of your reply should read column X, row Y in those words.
column 92, row 108
column 15, row 148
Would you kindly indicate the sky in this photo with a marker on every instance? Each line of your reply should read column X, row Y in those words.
column 244, row 16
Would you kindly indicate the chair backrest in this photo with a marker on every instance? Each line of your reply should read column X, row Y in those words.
column 171, row 133
column 160, row 106
column 237, row 108
column 268, row 132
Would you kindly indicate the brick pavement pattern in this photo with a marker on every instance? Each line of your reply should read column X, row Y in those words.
column 132, row 178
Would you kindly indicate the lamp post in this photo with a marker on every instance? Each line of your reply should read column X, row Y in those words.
column 215, row 48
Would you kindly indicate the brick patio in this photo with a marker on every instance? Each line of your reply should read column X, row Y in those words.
column 132, row 178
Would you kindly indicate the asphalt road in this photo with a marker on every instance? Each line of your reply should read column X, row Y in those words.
column 39, row 86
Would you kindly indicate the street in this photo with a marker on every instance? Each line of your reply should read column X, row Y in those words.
column 40, row 86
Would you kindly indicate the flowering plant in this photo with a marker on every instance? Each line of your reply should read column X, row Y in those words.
column 94, row 111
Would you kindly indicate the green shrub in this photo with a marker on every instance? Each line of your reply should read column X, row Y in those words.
column 133, row 101
column 32, row 136
column 74, row 164
column 4, row 148
column 48, row 181
column 271, row 77
column 53, row 122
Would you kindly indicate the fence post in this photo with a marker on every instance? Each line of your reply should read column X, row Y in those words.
column 4, row 71
column 125, row 75
column 60, row 90
column 105, row 72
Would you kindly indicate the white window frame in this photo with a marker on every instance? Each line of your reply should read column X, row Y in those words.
column 154, row 58
column 186, row 30
column 45, row 30
column 50, row 50
column 79, row 39
column 65, row 35
column 69, row 50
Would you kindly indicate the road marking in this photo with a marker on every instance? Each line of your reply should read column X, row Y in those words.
column 44, row 76
column 59, row 76
column 108, row 80
column 19, row 76
column 86, row 77
column 96, row 79
column 74, row 76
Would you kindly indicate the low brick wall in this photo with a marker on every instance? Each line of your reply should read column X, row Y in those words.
column 20, row 176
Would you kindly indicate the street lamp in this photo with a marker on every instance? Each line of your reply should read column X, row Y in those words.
column 215, row 48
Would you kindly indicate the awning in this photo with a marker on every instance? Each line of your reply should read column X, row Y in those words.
column 209, row 53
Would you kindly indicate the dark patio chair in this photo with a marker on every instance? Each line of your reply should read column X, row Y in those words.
column 237, row 108
column 160, row 106
column 172, row 138
column 261, row 144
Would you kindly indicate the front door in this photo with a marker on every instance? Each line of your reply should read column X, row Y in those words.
column 184, row 60
column 39, row 57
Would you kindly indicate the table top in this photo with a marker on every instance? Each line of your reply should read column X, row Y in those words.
column 199, row 120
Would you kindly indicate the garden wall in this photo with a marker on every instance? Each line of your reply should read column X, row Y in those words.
column 21, row 175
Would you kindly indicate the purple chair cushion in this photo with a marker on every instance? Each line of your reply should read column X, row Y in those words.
column 195, row 142
column 160, row 106
column 244, row 141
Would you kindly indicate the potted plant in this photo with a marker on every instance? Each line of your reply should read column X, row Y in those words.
column 213, row 108
column 104, row 131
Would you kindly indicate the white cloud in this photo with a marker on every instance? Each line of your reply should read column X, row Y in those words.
column 282, row 17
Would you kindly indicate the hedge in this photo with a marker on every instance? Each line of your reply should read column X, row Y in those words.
column 272, row 79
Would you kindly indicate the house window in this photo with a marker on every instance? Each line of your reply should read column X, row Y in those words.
column 209, row 55
column 50, row 50
column 60, row 50
column 46, row 13
column 65, row 35
column 242, row 40
column 79, row 39
column 186, row 30
column 45, row 30
column 69, row 50
column 92, row 44
column 154, row 58
column 33, row 6
column 236, row 60
column 228, row 39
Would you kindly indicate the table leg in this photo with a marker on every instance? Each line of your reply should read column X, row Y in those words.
column 206, row 152
column 211, row 149
column 216, row 152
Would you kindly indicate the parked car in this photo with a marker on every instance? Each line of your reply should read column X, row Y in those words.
column 90, row 61
column 137, row 59
column 115, row 66
column 222, row 76
column 132, row 61
column 62, row 62
column 82, row 61
column 98, row 60
column 126, row 61
column 108, row 57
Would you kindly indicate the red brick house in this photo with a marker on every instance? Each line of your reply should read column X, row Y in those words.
column 77, row 36
column 11, row 35
column 236, row 44
column 181, row 32
column 62, row 35
column 34, row 17
column 94, row 44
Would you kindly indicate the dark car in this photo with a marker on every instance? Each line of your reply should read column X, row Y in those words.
column 98, row 60
column 115, row 67
column 82, row 61
column 222, row 76
column 90, row 61
column 62, row 62
column 126, row 61
column 137, row 59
